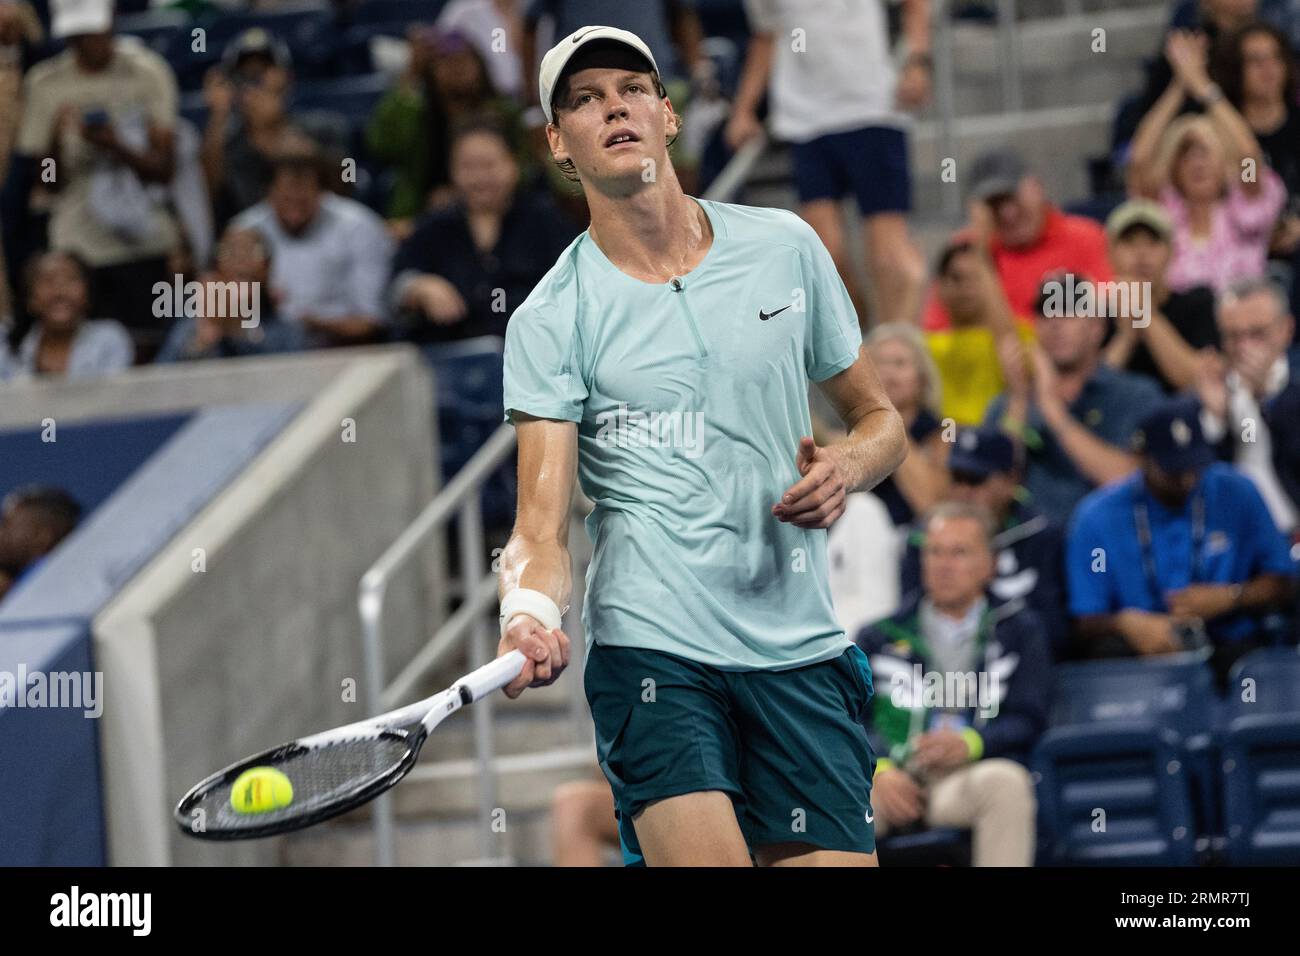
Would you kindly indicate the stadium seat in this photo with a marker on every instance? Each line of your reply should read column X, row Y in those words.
column 194, row 108
column 1259, row 737
column 354, row 96
column 354, row 48
column 307, row 30
column 394, row 11
column 468, row 377
column 938, row 847
column 1122, row 770
column 156, row 29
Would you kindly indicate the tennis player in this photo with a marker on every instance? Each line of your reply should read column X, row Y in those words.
column 666, row 358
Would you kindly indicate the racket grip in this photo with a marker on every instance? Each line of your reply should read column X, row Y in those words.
column 492, row 676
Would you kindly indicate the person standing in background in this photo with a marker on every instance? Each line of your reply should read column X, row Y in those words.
column 837, row 97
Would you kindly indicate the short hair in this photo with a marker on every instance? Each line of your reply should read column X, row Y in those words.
column 300, row 155
column 55, row 506
column 37, row 260
column 1257, row 285
column 965, row 511
column 910, row 335
column 482, row 123
column 950, row 252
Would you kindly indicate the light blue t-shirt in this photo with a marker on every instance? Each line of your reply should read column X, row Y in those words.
column 690, row 404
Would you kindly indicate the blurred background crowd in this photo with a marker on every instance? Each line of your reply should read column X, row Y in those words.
column 1121, row 480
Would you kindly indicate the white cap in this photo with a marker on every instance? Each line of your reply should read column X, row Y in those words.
column 70, row 18
column 559, row 55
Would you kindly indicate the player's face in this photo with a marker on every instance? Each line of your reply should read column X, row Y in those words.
column 613, row 125
column 956, row 563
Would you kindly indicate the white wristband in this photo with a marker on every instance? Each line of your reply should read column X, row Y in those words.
column 533, row 603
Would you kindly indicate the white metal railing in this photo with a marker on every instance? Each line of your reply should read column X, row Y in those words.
column 460, row 498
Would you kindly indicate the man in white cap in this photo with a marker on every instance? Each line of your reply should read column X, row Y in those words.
column 104, row 112
column 666, row 358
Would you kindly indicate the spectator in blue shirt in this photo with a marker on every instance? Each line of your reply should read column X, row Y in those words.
column 986, row 468
column 1182, row 555
column 1076, row 415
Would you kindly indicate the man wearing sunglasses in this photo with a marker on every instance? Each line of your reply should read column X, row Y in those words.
column 986, row 467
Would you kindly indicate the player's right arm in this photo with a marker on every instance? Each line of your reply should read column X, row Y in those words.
column 535, row 565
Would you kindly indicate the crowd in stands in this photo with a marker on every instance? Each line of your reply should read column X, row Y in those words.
column 1104, row 413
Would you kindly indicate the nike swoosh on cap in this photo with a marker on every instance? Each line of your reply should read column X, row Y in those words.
column 764, row 316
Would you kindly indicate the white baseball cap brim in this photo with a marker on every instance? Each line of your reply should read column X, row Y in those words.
column 558, row 56
column 70, row 18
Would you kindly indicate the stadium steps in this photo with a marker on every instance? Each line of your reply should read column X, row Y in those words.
column 1057, row 64
column 538, row 746
column 1068, row 104
column 449, row 835
column 1056, row 142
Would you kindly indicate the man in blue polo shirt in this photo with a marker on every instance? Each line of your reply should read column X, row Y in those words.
column 1181, row 554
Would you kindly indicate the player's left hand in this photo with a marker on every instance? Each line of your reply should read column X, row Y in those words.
column 817, row 499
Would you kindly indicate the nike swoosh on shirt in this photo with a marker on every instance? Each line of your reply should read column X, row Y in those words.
column 764, row 316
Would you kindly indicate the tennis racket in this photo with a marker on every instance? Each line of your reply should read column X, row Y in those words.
column 337, row 770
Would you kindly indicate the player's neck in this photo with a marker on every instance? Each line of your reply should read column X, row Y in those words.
column 653, row 234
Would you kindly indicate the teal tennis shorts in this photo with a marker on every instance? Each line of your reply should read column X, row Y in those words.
column 787, row 746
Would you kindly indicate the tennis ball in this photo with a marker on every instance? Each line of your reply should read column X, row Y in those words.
column 260, row 789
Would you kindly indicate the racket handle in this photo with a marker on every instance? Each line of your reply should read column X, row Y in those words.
column 493, row 675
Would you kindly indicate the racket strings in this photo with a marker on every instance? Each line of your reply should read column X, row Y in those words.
column 321, row 776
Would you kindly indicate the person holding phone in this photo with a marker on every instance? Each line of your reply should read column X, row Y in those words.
column 98, row 125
